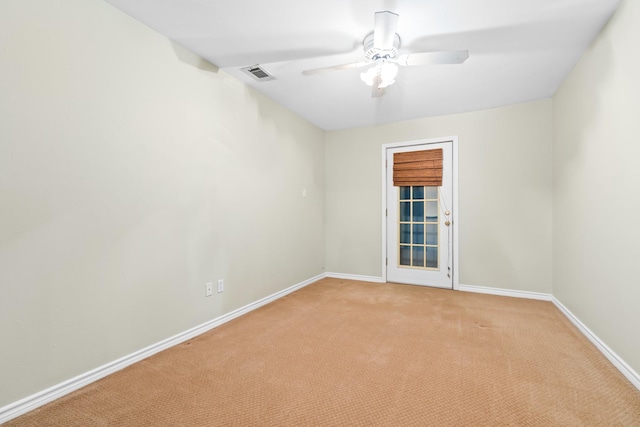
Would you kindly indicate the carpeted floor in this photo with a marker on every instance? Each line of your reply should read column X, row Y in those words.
column 345, row 353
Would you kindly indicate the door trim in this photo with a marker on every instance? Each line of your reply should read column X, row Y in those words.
column 454, row 173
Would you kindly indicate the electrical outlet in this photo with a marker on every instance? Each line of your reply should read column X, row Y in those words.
column 208, row 289
column 220, row 285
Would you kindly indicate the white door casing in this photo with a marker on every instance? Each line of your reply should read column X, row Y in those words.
column 421, row 248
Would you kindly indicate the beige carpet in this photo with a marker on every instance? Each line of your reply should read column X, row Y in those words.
column 344, row 353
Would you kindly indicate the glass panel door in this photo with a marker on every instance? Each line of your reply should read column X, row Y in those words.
column 419, row 225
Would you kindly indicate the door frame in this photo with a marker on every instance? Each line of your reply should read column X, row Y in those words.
column 455, row 213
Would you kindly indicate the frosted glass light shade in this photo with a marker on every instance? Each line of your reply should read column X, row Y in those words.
column 387, row 72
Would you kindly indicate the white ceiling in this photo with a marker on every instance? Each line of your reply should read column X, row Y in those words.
column 519, row 50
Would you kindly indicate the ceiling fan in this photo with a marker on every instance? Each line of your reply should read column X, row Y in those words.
column 381, row 51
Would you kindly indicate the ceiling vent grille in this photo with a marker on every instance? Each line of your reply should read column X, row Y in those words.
column 258, row 73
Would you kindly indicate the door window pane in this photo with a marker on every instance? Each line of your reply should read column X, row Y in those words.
column 432, row 193
column 432, row 257
column 418, row 256
column 418, row 234
column 405, row 193
column 418, row 211
column 405, row 233
column 432, row 211
column 418, row 193
column 432, row 234
column 405, row 255
column 405, row 211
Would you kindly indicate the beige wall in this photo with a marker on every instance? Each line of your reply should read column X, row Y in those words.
column 131, row 174
column 504, row 194
column 597, row 187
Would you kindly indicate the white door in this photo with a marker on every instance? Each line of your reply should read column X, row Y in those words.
column 420, row 225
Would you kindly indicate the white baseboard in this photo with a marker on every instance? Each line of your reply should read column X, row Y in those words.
column 34, row 401
column 505, row 292
column 616, row 360
column 373, row 279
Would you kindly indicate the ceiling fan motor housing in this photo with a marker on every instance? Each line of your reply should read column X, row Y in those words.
column 373, row 53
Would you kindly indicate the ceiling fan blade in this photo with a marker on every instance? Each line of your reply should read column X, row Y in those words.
column 384, row 30
column 429, row 58
column 376, row 90
column 335, row 68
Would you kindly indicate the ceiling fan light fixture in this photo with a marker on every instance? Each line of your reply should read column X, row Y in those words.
column 369, row 76
column 381, row 52
column 387, row 71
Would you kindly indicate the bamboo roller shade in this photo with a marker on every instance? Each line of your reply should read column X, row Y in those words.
column 418, row 168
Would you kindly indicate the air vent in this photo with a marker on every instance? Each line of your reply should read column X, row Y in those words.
column 258, row 73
